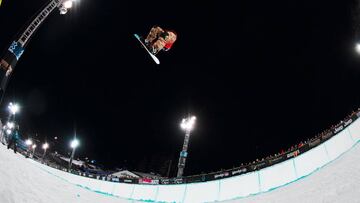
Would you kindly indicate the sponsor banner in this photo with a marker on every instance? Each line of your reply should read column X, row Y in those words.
column 178, row 181
column 115, row 179
column 165, row 181
column 275, row 160
column 314, row 143
column 338, row 129
column 221, row 175
column 238, row 171
column 326, row 136
column 292, row 154
column 348, row 122
column 16, row 49
column 258, row 165
column 195, row 179
column 183, row 154
column 209, row 176
column 148, row 181
column 127, row 180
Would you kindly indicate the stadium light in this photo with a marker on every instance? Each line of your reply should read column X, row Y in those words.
column 74, row 143
column 33, row 148
column 68, row 4
column 10, row 125
column 14, row 108
column 45, row 146
column 187, row 124
column 65, row 5
column 28, row 142
column 357, row 48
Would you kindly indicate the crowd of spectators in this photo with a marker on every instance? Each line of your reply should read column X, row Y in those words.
column 324, row 134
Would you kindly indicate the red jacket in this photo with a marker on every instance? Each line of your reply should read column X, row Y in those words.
column 170, row 39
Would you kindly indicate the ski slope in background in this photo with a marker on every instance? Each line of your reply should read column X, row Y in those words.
column 23, row 180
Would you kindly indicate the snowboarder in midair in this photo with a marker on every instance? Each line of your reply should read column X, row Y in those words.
column 160, row 39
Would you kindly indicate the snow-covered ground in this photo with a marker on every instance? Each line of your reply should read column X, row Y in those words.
column 22, row 180
column 339, row 181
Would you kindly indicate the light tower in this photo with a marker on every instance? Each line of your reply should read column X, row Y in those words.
column 13, row 109
column 357, row 48
column 74, row 143
column 45, row 146
column 187, row 124
column 13, row 53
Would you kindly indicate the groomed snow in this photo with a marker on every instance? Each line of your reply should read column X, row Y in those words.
column 24, row 181
column 338, row 181
column 21, row 180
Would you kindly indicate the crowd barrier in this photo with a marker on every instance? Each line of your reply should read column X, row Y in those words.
column 236, row 183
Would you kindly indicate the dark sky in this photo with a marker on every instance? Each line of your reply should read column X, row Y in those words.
column 259, row 75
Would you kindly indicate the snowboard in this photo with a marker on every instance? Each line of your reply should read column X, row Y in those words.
column 148, row 51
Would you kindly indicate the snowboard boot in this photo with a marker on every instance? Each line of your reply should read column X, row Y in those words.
column 154, row 51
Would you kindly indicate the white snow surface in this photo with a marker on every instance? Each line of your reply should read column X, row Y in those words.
column 24, row 181
column 338, row 181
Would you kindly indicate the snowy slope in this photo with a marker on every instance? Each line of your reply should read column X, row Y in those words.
column 339, row 181
column 23, row 180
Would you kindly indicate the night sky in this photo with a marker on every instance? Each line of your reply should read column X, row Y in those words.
column 259, row 75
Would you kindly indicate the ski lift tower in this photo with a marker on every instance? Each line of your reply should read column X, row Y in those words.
column 13, row 53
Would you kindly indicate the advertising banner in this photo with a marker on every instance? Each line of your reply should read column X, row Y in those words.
column 292, row 154
column 326, row 136
column 165, row 181
column 195, row 179
column 128, row 180
column 314, row 143
column 338, row 128
column 221, row 175
column 238, row 171
column 275, row 160
column 16, row 49
column 148, row 181
column 258, row 165
column 177, row 181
